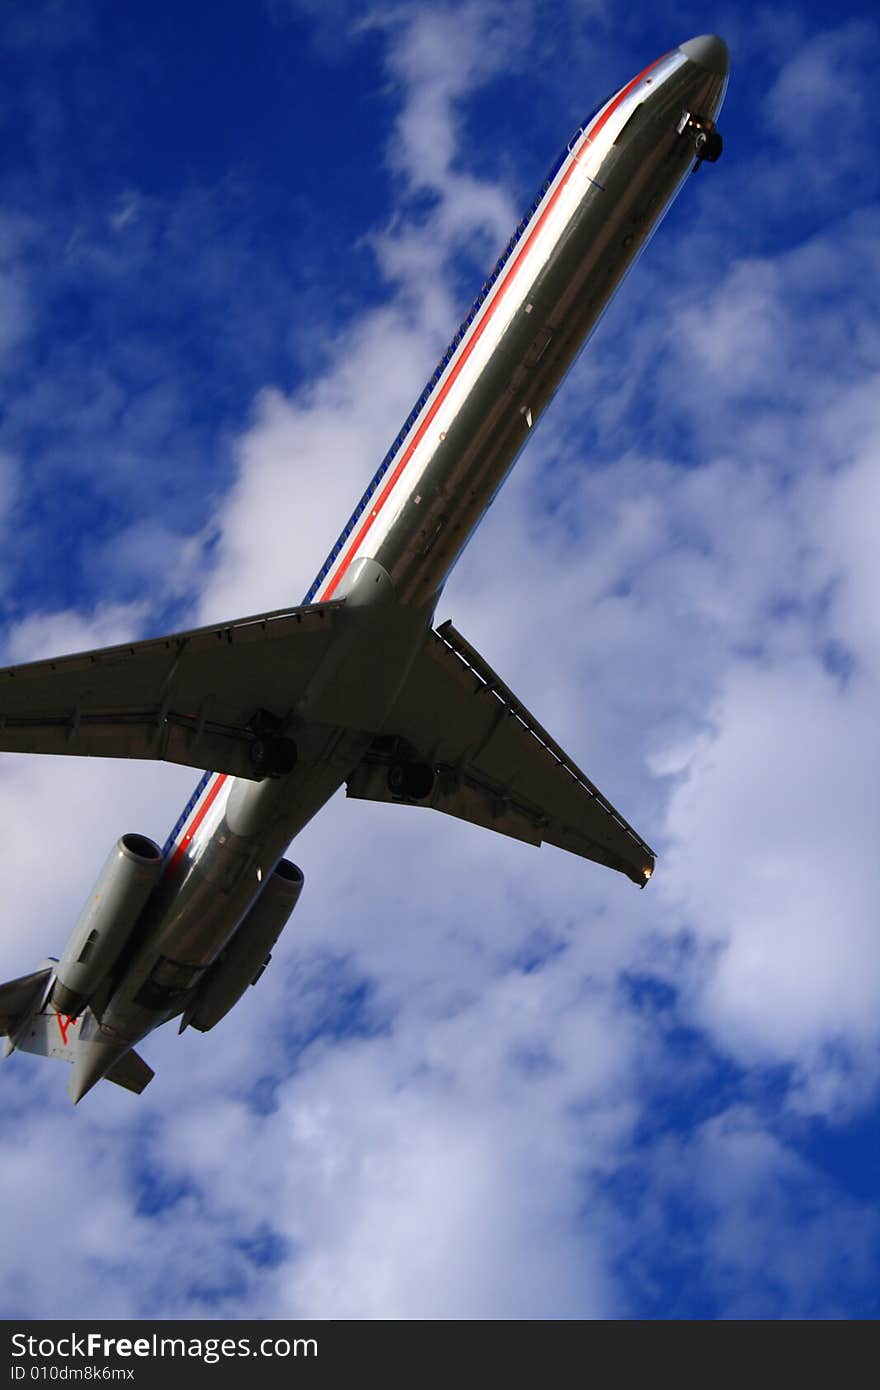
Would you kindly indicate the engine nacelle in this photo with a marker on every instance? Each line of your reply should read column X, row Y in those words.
column 107, row 921
column 248, row 953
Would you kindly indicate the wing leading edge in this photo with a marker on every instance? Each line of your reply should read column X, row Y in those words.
column 494, row 764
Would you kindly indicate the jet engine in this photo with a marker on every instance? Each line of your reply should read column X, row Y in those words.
column 249, row 952
column 107, row 921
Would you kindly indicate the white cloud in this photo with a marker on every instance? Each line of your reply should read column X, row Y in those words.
column 764, row 1234
column 820, row 88
column 440, row 57
column 55, row 634
column 771, row 863
column 302, row 465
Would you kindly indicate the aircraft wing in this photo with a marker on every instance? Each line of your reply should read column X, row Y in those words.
column 190, row 698
column 495, row 765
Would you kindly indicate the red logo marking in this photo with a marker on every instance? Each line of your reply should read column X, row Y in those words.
column 65, row 1022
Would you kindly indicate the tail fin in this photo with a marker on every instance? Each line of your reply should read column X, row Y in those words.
column 32, row 1025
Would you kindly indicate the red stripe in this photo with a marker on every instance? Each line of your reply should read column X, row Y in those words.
column 187, row 837
column 444, row 390
column 621, row 96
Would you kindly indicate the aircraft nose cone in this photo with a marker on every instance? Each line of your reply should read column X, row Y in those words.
column 710, row 52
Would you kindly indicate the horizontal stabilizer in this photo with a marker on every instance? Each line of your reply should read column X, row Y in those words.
column 18, row 997
column 493, row 764
column 52, row 1034
column 132, row 1072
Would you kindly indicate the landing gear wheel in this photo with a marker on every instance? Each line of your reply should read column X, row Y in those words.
column 709, row 145
column 411, row 781
column 273, row 755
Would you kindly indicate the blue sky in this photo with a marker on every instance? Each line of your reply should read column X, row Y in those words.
column 477, row 1079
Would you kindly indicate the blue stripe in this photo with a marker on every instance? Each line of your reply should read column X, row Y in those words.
column 170, row 843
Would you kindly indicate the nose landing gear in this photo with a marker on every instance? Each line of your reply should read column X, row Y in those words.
column 706, row 140
column 708, row 145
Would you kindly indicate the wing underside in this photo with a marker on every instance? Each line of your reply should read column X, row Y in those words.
column 494, row 764
column 196, row 698
column 200, row 698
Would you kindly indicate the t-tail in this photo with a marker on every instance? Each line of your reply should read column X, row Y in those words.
column 31, row 1023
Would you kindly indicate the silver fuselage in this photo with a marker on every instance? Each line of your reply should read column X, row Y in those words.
column 617, row 177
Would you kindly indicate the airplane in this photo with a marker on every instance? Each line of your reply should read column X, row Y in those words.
column 355, row 686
